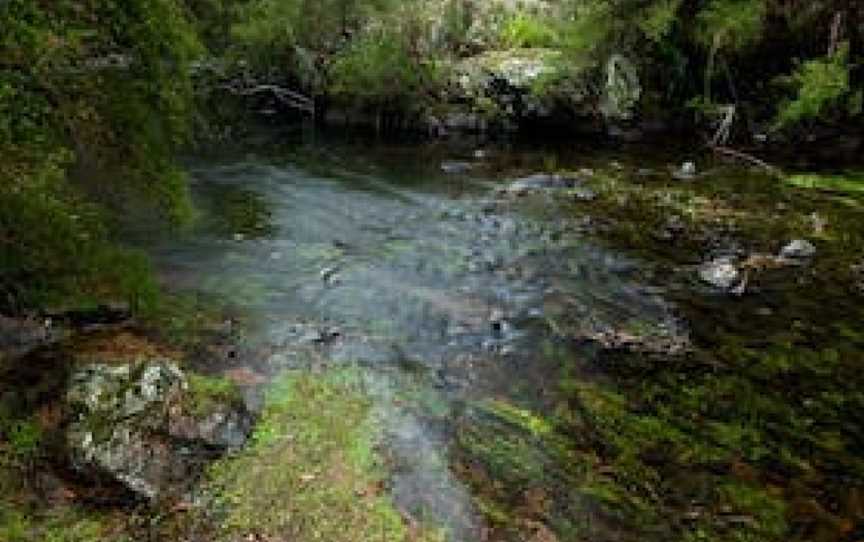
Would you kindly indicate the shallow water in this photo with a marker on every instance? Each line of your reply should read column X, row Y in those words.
column 370, row 255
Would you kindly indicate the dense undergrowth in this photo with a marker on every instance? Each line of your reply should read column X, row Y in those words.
column 94, row 102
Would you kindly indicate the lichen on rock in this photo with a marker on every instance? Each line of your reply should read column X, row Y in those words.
column 131, row 424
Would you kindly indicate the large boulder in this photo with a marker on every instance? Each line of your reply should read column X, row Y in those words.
column 139, row 425
column 538, row 87
column 503, row 89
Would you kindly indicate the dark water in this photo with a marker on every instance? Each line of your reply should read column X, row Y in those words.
column 370, row 255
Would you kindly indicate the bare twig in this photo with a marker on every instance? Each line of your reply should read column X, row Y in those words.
column 721, row 136
column 836, row 33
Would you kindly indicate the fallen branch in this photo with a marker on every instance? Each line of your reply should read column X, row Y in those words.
column 771, row 169
column 284, row 95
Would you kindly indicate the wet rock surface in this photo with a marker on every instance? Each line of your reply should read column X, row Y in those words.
column 541, row 182
column 798, row 250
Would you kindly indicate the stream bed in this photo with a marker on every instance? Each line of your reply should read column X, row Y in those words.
column 493, row 342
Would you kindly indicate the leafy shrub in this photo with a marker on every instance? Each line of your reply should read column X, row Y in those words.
column 54, row 247
column 657, row 19
column 820, row 84
column 731, row 24
column 380, row 70
column 525, row 30
column 101, row 89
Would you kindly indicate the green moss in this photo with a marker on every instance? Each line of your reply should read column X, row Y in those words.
column 524, row 30
column 207, row 393
column 185, row 319
column 852, row 183
column 242, row 212
column 60, row 525
column 314, row 454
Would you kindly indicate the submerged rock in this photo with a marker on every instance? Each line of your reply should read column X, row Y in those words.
column 798, row 249
column 539, row 182
column 455, row 168
column 721, row 273
column 137, row 425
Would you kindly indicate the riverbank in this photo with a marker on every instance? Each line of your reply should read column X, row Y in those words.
column 531, row 350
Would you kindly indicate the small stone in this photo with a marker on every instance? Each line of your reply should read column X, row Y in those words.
column 328, row 274
column 721, row 273
column 798, row 249
column 313, row 336
column 583, row 194
column 686, row 171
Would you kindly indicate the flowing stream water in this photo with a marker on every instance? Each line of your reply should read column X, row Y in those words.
column 440, row 290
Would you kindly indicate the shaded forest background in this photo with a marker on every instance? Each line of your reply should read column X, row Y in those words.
column 99, row 97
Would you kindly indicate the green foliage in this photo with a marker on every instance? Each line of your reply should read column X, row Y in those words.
column 380, row 70
column 820, row 85
column 300, row 35
column 851, row 182
column 592, row 28
column 95, row 98
column 25, row 438
column 525, row 31
column 64, row 526
column 54, row 248
column 658, row 18
column 731, row 24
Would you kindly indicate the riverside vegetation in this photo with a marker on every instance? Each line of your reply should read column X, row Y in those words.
column 749, row 431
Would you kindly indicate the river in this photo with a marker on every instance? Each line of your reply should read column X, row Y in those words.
column 466, row 307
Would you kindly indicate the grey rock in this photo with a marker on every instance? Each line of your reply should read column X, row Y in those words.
column 721, row 273
column 129, row 424
column 540, row 182
column 622, row 90
column 117, row 414
column 686, row 171
column 798, row 249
